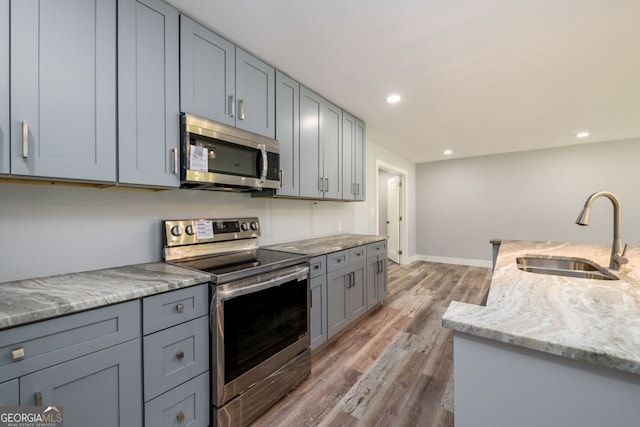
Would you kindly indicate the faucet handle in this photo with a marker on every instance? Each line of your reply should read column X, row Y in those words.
column 620, row 258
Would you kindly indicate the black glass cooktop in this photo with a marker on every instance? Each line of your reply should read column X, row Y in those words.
column 239, row 265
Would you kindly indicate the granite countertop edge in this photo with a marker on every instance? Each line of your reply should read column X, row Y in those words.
column 31, row 300
column 581, row 319
column 323, row 245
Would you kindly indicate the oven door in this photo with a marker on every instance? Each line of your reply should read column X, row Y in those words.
column 257, row 324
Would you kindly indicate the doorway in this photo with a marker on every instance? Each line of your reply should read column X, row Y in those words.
column 391, row 197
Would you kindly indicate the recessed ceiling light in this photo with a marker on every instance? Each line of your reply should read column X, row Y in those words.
column 582, row 134
column 447, row 152
column 393, row 99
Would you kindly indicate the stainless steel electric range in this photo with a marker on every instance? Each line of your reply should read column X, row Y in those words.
column 259, row 313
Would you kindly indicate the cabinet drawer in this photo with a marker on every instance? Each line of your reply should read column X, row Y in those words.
column 28, row 348
column 175, row 355
column 9, row 393
column 318, row 266
column 337, row 260
column 378, row 248
column 357, row 254
column 185, row 405
column 171, row 308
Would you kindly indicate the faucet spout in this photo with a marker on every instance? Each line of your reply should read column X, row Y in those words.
column 617, row 253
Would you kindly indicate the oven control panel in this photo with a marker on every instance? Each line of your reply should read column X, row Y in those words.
column 196, row 231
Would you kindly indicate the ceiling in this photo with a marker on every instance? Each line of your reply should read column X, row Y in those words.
column 476, row 77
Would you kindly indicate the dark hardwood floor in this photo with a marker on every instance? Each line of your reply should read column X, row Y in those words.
column 394, row 366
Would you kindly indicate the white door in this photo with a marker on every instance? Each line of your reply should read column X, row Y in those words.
column 394, row 217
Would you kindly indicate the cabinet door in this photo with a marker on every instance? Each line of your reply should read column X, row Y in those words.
column 100, row 389
column 148, row 100
column 310, row 154
column 372, row 281
column 348, row 147
column 63, row 85
column 255, row 93
column 318, row 311
column 357, row 292
column 9, row 393
column 4, row 87
column 359, row 160
column 288, row 133
column 337, row 301
column 382, row 279
column 207, row 73
column 331, row 140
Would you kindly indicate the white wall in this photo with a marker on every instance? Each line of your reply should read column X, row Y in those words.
column 533, row 195
column 53, row 229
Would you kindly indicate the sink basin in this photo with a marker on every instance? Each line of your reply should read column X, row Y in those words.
column 563, row 266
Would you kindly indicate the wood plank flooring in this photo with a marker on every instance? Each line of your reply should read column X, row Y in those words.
column 394, row 366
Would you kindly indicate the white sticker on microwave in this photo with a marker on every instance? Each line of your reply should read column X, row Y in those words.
column 204, row 230
column 198, row 160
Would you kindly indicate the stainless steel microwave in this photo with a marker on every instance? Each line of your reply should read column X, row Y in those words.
column 215, row 156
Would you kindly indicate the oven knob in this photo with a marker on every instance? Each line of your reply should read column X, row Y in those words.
column 254, row 225
column 245, row 226
column 176, row 230
column 189, row 230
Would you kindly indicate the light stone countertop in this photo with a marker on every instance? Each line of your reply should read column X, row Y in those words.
column 596, row 321
column 30, row 300
column 327, row 244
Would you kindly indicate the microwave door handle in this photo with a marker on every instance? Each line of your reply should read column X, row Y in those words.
column 265, row 164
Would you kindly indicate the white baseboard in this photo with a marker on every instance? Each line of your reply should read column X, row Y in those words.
column 448, row 260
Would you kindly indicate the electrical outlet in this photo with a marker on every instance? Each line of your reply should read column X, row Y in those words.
column 373, row 211
column 339, row 226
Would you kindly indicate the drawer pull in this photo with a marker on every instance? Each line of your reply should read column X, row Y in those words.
column 180, row 308
column 316, row 267
column 181, row 417
column 17, row 354
column 38, row 397
column 180, row 355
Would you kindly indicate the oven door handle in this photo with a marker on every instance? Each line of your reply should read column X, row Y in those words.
column 261, row 282
column 264, row 162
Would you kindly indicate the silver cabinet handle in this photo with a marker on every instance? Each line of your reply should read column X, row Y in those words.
column 326, row 184
column 38, row 397
column 175, row 160
column 17, row 354
column 357, row 189
column 241, row 109
column 232, row 105
column 25, row 139
column 181, row 417
column 179, row 308
column 321, row 185
column 353, row 189
column 281, row 177
column 180, row 355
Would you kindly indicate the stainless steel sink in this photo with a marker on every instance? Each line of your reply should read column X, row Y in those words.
column 563, row 266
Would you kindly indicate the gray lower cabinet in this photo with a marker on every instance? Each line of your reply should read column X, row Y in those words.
column 88, row 362
column 376, row 273
column 318, row 288
column 346, row 291
column 100, row 389
column 148, row 94
column 176, row 358
column 63, row 89
column 4, row 87
column 10, row 393
column 288, row 133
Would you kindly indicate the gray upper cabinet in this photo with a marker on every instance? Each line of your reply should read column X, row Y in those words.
column 288, row 133
column 63, row 89
column 320, row 147
column 311, row 181
column 353, row 156
column 207, row 73
column 331, row 138
column 255, row 93
column 4, row 87
column 148, row 94
column 223, row 83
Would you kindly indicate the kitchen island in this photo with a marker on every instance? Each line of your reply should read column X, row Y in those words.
column 546, row 349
